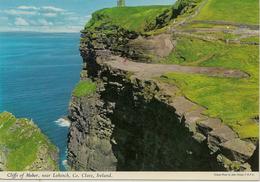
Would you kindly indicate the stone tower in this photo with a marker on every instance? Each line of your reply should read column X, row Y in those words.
column 120, row 3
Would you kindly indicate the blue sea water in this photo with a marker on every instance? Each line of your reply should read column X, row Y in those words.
column 37, row 74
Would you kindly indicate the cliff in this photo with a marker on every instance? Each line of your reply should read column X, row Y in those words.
column 23, row 147
column 128, row 115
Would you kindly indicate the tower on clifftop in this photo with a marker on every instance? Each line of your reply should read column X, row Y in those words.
column 120, row 3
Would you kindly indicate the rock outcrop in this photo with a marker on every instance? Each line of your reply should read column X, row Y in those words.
column 23, row 147
column 134, row 122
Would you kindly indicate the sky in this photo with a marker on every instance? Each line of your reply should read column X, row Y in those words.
column 55, row 15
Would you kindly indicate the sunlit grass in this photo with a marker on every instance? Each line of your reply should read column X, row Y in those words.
column 84, row 88
column 22, row 139
column 235, row 101
column 130, row 18
column 239, row 11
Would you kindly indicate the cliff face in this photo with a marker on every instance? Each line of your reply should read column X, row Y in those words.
column 23, row 147
column 135, row 122
column 130, row 126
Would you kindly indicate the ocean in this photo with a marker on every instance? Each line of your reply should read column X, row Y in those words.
column 38, row 72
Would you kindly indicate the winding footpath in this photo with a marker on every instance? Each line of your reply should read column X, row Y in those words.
column 149, row 70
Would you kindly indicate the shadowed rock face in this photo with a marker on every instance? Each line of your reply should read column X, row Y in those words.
column 125, row 126
column 254, row 160
column 148, row 134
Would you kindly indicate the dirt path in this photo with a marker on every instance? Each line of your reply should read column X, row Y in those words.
column 155, row 70
column 240, row 33
column 226, row 23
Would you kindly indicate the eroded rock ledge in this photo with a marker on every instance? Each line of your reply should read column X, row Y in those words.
column 136, row 123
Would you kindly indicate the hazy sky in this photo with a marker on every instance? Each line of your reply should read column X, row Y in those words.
column 55, row 15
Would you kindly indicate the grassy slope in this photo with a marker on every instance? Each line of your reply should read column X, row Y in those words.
column 191, row 51
column 239, row 11
column 22, row 139
column 131, row 18
column 250, row 39
column 84, row 88
column 235, row 101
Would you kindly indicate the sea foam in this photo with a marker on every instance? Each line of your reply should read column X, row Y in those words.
column 63, row 122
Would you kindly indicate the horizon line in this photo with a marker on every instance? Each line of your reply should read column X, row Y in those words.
column 29, row 31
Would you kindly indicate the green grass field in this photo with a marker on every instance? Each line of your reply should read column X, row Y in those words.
column 250, row 39
column 130, row 18
column 239, row 11
column 235, row 101
column 84, row 88
column 196, row 52
column 22, row 139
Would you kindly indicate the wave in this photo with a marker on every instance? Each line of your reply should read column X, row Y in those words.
column 65, row 165
column 62, row 122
